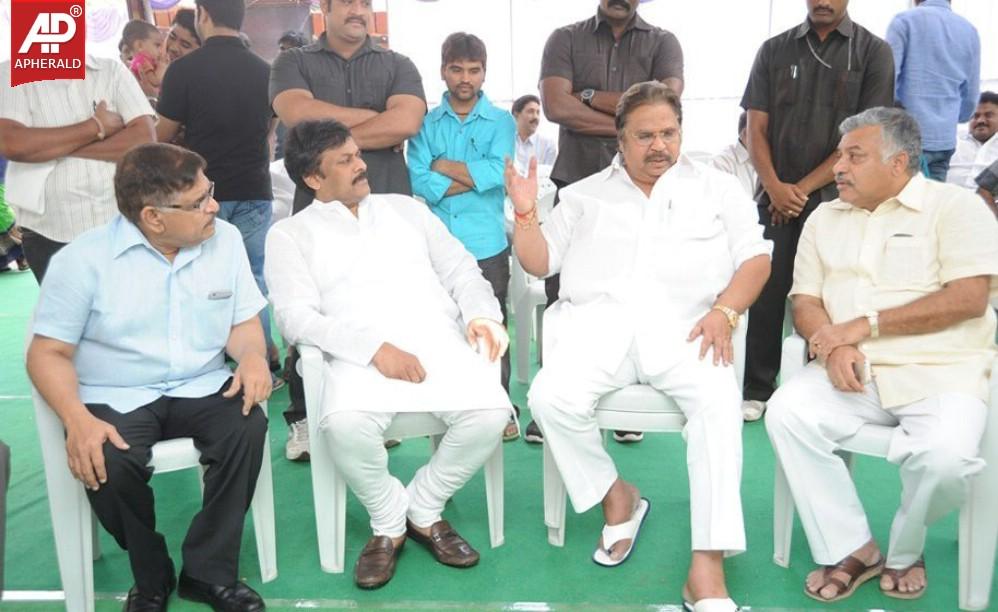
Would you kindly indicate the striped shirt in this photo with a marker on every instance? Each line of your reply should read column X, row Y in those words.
column 79, row 193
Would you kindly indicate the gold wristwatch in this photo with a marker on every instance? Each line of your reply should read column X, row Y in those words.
column 730, row 313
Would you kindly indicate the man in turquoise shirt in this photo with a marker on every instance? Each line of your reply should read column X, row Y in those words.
column 456, row 165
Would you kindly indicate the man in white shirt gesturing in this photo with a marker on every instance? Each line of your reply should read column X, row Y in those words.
column 633, row 307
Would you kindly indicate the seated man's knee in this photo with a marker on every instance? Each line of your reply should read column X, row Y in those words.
column 494, row 421
column 255, row 426
column 349, row 429
column 786, row 407
column 944, row 465
column 551, row 394
column 122, row 466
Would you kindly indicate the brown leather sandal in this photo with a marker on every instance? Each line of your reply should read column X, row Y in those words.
column 857, row 571
column 897, row 574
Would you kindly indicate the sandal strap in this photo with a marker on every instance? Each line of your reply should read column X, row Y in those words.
column 851, row 567
column 615, row 533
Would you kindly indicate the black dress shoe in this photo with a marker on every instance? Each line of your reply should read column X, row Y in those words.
column 222, row 598
column 137, row 602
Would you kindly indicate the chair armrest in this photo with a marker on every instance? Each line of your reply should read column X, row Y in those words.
column 793, row 358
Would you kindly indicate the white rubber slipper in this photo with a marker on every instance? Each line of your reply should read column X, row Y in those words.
column 712, row 605
column 624, row 531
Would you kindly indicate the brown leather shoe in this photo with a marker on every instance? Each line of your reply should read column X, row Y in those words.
column 376, row 563
column 445, row 544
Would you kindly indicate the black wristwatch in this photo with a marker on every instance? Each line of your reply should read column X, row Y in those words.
column 587, row 96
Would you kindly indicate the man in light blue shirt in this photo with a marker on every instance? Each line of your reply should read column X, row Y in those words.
column 937, row 67
column 456, row 165
column 130, row 335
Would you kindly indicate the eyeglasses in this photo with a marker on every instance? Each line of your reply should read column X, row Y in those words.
column 645, row 139
column 196, row 205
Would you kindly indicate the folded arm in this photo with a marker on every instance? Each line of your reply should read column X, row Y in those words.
column 137, row 131
column 21, row 143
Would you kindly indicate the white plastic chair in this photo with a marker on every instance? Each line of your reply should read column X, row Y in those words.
column 978, row 521
column 527, row 298
column 329, row 490
column 75, row 529
column 632, row 408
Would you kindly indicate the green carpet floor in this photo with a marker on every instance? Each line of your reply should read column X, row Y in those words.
column 524, row 574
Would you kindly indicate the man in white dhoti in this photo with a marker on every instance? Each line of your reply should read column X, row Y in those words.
column 658, row 256
column 394, row 301
column 891, row 281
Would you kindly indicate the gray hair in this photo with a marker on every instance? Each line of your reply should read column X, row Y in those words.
column 899, row 131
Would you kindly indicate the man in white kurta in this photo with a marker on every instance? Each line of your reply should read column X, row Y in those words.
column 978, row 148
column 393, row 301
column 891, row 288
column 734, row 159
column 658, row 255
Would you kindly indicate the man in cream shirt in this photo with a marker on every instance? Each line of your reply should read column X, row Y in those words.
column 892, row 279
column 63, row 139
column 393, row 300
column 632, row 309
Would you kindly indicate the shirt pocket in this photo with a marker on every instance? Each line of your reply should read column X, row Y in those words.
column 211, row 322
column 905, row 261
column 590, row 72
column 786, row 84
column 847, row 90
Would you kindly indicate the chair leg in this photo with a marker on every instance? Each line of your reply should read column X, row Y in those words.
column 783, row 518
column 523, row 327
column 263, row 518
column 554, row 500
column 978, row 536
column 539, row 318
column 72, row 528
column 95, row 532
column 329, row 498
column 495, row 497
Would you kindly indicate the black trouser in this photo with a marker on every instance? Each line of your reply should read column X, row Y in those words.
column 4, row 482
column 231, row 448
column 38, row 250
column 495, row 269
column 552, row 284
column 296, row 389
column 764, row 339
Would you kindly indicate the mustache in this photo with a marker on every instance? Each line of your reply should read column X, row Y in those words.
column 841, row 178
column 624, row 4
column 360, row 177
column 359, row 20
column 658, row 157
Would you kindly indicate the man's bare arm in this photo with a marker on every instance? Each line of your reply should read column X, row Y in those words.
column 166, row 129
column 957, row 301
column 21, row 143
column 401, row 120
column 50, row 367
column 565, row 108
column 138, row 131
column 296, row 105
column 819, row 176
column 809, row 315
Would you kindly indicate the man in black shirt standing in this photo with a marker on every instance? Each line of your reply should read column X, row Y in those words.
column 804, row 82
column 218, row 93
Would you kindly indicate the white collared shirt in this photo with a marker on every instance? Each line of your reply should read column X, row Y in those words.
column 647, row 268
column 734, row 159
column 79, row 193
column 539, row 146
column 970, row 159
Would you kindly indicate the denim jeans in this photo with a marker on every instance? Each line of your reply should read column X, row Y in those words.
column 935, row 164
column 252, row 218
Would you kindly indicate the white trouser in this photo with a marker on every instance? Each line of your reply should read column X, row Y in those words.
column 563, row 400
column 935, row 441
column 358, row 450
